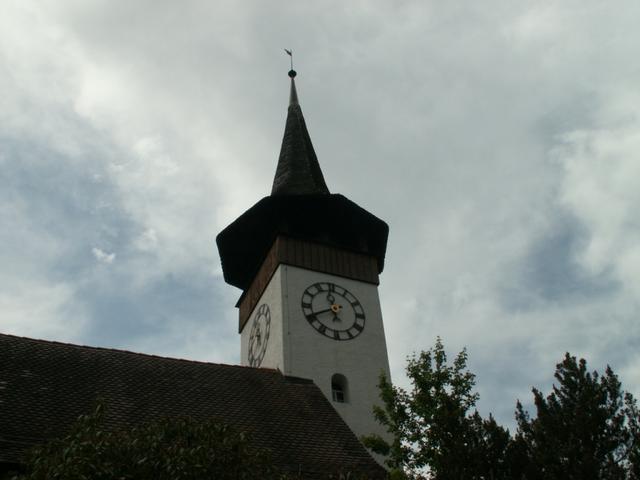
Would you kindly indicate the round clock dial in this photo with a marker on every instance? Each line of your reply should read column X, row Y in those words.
column 259, row 335
column 333, row 311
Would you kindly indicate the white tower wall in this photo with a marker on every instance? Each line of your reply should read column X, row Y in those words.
column 297, row 349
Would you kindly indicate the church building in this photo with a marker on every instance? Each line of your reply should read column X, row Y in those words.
column 312, row 340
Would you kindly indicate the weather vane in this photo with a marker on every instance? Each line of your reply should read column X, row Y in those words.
column 290, row 53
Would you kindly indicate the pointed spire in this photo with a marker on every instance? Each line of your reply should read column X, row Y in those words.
column 298, row 171
column 293, row 96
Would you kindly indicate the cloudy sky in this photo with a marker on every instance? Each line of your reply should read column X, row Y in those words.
column 500, row 140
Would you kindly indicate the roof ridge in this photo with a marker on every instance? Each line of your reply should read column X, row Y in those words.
column 131, row 352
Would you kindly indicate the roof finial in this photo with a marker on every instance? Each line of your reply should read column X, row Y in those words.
column 293, row 97
column 292, row 72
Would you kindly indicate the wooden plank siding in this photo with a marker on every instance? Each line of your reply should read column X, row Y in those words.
column 309, row 255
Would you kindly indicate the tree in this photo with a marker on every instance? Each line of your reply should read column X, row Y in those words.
column 169, row 449
column 435, row 432
column 586, row 428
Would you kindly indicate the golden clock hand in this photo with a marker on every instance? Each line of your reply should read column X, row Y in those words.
column 323, row 311
column 335, row 308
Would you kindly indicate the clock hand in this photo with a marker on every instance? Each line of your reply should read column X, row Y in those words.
column 335, row 308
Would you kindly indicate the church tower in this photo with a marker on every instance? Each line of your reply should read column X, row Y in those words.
column 308, row 263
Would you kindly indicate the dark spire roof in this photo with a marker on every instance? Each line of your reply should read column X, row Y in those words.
column 298, row 171
column 301, row 207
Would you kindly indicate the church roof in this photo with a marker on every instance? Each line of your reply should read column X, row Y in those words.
column 45, row 386
column 298, row 171
column 300, row 206
column 332, row 220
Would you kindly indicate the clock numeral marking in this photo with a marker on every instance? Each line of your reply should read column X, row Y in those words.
column 259, row 335
column 350, row 325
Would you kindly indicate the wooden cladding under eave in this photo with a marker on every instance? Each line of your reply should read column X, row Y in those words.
column 312, row 256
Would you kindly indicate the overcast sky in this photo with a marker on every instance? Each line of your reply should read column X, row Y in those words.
column 500, row 140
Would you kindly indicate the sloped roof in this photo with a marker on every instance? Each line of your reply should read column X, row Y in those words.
column 332, row 220
column 298, row 171
column 300, row 206
column 45, row 386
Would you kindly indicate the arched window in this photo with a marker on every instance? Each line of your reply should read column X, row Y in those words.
column 339, row 390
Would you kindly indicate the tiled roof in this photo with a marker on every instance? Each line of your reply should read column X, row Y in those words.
column 45, row 386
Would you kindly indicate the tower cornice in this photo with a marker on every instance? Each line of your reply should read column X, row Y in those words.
column 331, row 220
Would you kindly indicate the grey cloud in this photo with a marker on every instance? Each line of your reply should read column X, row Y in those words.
column 464, row 126
column 550, row 272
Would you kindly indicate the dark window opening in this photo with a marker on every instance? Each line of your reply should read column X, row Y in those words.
column 339, row 392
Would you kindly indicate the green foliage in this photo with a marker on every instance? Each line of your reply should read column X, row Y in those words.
column 170, row 449
column 586, row 428
column 434, row 426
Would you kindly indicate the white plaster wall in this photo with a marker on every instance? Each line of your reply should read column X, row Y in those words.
column 272, row 296
column 296, row 348
column 309, row 354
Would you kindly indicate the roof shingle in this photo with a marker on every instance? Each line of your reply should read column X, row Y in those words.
column 298, row 171
column 45, row 386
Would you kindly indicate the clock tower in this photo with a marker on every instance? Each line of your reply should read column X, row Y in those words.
column 308, row 263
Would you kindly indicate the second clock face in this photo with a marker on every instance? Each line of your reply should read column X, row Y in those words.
column 259, row 335
column 333, row 311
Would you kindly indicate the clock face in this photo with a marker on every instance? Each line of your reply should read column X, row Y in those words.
column 333, row 311
column 259, row 335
